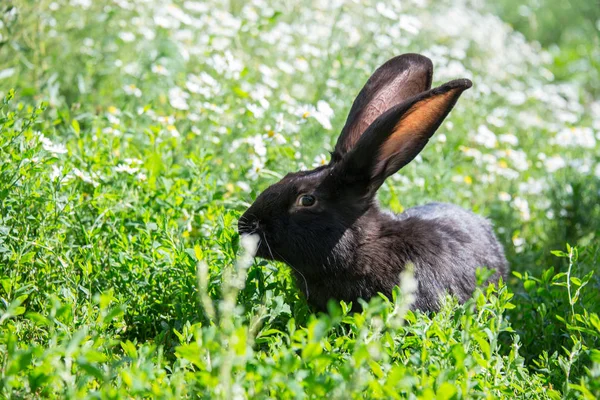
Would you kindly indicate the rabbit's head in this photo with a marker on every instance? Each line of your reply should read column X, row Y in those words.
column 312, row 220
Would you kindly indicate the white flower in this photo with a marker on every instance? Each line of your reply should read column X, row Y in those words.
column 320, row 160
column 82, row 3
column 274, row 136
column 532, row 186
column 172, row 129
column 127, row 36
column 554, row 163
column 257, row 167
column 523, row 207
column 324, row 114
column 516, row 98
column 126, row 168
column 503, row 196
column 178, row 98
column 160, row 70
column 518, row 158
column 386, row 11
column 519, row 244
column 196, row 6
column 7, row 73
column 244, row 186
column 410, row 24
column 132, row 90
column 84, row 177
column 56, row 173
column 485, row 137
column 256, row 110
column 141, row 176
column 132, row 161
column 51, row 147
column 575, row 137
column 509, row 139
column 258, row 145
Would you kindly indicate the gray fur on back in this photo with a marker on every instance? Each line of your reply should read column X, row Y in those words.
column 465, row 241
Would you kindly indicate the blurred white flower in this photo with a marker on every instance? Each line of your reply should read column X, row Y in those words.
column 126, row 168
column 132, row 90
column 575, row 137
column 519, row 244
column 320, row 160
column 518, row 159
column 410, row 24
column 485, row 137
column 56, row 172
column 258, row 144
column 52, row 147
column 196, row 6
column 81, row 3
column 226, row 64
column 127, row 36
column 244, row 186
column 178, row 98
column 509, row 139
column 532, row 186
column 7, row 73
column 257, row 167
column 172, row 129
column 516, row 98
column 554, row 163
column 322, row 113
column 523, row 207
column 85, row 177
column 132, row 161
column 160, row 70
column 503, row 196
column 202, row 84
column 274, row 136
column 256, row 110
column 386, row 11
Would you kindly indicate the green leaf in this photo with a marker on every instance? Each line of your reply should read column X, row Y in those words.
column 129, row 349
column 75, row 125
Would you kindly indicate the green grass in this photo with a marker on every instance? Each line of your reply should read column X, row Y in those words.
column 136, row 135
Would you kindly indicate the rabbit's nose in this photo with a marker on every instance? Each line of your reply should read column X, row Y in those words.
column 247, row 226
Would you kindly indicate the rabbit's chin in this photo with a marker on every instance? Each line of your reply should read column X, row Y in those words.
column 264, row 252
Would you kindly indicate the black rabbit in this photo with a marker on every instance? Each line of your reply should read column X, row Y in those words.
column 326, row 223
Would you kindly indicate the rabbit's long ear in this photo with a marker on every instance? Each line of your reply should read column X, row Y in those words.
column 394, row 82
column 396, row 137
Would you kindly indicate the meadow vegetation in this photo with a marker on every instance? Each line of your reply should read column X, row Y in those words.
column 133, row 134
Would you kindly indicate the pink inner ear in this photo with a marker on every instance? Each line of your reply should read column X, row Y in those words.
column 404, row 86
column 412, row 132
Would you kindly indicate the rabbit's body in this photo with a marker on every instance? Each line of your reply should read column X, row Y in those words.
column 444, row 242
column 326, row 224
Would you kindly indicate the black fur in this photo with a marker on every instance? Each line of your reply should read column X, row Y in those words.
column 344, row 247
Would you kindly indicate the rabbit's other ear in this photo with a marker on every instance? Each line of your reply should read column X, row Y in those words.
column 395, row 138
column 394, row 82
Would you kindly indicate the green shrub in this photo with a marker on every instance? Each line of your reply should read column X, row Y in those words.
column 140, row 132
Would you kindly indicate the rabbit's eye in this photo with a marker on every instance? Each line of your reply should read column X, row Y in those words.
column 306, row 200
